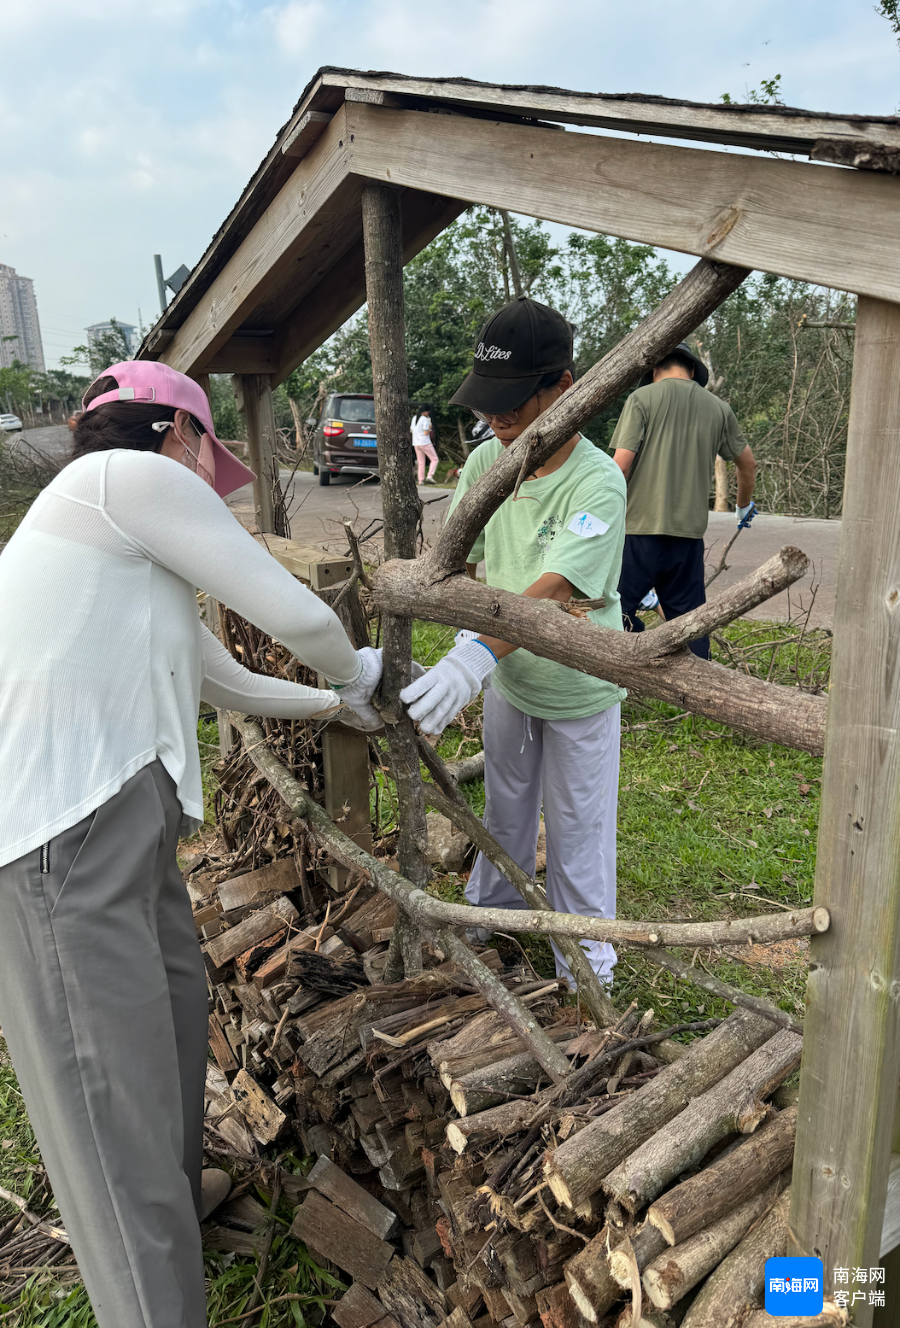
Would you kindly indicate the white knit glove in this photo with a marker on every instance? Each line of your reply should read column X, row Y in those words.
column 443, row 691
column 466, row 634
column 357, row 711
column 357, row 695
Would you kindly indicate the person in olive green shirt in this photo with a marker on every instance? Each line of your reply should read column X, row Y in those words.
column 666, row 443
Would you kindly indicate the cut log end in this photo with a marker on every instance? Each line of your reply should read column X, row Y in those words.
column 821, row 918
column 455, row 1137
column 558, row 1187
column 662, row 1224
column 620, row 1268
column 458, row 1098
column 663, row 1283
column 581, row 1301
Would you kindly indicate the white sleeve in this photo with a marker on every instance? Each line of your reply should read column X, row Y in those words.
column 179, row 522
column 227, row 685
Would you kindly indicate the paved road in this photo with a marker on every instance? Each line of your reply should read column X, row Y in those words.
column 317, row 514
column 55, row 440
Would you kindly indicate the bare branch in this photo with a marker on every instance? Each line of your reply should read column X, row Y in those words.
column 693, row 299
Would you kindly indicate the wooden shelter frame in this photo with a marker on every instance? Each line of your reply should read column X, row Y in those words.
column 289, row 266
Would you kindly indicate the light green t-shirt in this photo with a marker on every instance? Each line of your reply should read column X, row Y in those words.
column 677, row 429
column 571, row 522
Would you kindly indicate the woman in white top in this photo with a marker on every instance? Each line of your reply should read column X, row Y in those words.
column 103, row 662
column 422, row 431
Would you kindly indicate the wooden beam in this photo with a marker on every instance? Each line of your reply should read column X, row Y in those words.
column 343, row 290
column 769, row 128
column 787, row 217
column 243, row 355
column 259, row 413
column 296, row 231
column 851, row 1058
column 319, row 570
column 305, row 133
column 345, row 769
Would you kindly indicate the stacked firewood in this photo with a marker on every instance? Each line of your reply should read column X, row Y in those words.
column 452, row 1181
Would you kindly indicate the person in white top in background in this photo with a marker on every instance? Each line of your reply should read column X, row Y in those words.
column 103, row 662
column 422, row 431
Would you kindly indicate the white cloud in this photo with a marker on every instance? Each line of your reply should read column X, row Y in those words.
column 297, row 24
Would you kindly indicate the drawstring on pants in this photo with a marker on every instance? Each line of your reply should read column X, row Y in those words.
column 527, row 735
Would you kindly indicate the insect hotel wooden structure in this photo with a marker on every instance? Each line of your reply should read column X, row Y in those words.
column 369, row 168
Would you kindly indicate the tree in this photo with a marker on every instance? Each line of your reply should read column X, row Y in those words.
column 107, row 348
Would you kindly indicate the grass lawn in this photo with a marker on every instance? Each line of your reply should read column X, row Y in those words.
column 711, row 825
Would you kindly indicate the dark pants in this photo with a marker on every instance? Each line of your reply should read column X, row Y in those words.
column 673, row 567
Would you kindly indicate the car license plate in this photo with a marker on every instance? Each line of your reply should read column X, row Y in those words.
column 365, row 442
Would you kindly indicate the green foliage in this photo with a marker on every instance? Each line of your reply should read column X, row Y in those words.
column 769, row 91
column 789, row 386
column 108, row 348
column 228, row 420
column 18, row 388
column 889, row 9
column 21, row 388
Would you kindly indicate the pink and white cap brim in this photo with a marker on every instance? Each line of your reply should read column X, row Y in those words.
column 151, row 381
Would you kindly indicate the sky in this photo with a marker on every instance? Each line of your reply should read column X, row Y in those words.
column 130, row 127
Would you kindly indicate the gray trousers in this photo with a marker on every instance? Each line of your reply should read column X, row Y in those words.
column 104, row 1007
column 572, row 767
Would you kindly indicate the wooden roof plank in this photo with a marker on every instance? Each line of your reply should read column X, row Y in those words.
column 299, row 222
column 343, row 291
column 769, row 128
column 837, row 228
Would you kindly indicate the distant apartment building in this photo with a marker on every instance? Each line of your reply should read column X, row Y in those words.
column 98, row 330
column 20, row 331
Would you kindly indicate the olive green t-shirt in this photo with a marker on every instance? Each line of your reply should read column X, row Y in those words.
column 677, row 429
column 571, row 522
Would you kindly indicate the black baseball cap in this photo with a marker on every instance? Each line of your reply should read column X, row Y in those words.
column 701, row 373
column 517, row 346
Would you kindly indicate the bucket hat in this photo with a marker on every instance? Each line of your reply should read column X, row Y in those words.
column 701, row 373
column 150, row 381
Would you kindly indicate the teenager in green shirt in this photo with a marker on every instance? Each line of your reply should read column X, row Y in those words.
column 551, row 734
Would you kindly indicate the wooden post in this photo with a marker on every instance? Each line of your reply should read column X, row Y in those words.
column 383, row 241
column 851, row 1055
column 721, row 501
column 345, row 751
column 256, row 403
column 345, row 767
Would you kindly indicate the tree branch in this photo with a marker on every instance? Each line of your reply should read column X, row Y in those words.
column 718, row 988
column 693, row 299
column 414, row 902
column 781, row 571
column 765, row 710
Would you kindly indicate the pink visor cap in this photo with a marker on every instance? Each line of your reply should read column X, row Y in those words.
column 150, row 381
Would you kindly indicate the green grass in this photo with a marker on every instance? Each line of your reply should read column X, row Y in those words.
column 711, row 824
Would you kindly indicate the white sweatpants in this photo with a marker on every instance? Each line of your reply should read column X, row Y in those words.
column 572, row 765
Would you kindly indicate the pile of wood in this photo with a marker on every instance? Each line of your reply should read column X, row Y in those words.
column 452, row 1181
